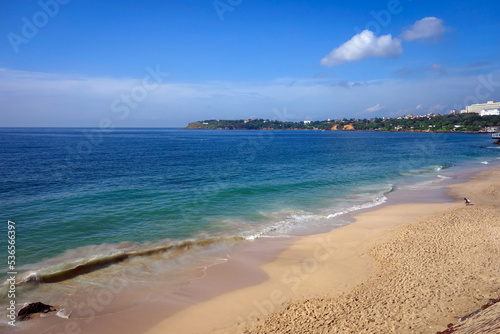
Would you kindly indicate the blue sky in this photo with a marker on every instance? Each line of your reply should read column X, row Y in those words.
column 166, row 63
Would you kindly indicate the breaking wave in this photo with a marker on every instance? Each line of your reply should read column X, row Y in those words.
column 69, row 270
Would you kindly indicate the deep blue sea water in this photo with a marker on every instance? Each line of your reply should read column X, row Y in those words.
column 77, row 194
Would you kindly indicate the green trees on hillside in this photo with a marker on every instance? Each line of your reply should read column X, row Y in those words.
column 458, row 123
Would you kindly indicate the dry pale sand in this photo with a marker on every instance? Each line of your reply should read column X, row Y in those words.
column 407, row 268
column 431, row 273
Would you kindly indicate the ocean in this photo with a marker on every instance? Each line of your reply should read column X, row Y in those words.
column 159, row 206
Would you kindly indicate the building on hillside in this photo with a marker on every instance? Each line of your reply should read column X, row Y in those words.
column 477, row 108
column 307, row 122
column 490, row 112
column 491, row 129
column 454, row 112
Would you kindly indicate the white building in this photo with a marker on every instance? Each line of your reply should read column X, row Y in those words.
column 477, row 108
column 491, row 129
column 490, row 112
column 307, row 122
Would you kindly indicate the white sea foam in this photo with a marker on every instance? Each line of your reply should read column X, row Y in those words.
column 281, row 227
column 31, row 277
column 432, row 169
column 375, row 202
column 289, row 221
column 484, row 162
column 301, row 219
column 62, row 313
column 424, row 184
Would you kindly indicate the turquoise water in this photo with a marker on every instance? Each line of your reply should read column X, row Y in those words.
column 86, row 202
column 69, row 188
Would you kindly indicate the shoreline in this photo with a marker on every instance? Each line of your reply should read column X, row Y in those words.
column 275, row 272
column 348, row 267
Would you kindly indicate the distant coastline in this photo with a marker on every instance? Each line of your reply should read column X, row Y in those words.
column 463, row 123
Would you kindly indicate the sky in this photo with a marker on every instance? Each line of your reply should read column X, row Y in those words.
column 75, row 63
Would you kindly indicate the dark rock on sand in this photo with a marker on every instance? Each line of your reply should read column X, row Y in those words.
column 33, row 308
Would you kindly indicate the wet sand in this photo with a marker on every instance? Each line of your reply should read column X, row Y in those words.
column 405, row 268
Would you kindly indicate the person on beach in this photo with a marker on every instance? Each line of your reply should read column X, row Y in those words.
column 467, row 201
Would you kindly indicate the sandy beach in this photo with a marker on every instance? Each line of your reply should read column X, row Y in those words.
column 250, row 167
column 399, row 268
column 405, row 268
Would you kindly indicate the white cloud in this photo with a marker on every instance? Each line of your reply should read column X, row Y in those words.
column 438, row 108
column 419, row 107
column 426, row 28
column 375, row 108
column 364, row 45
